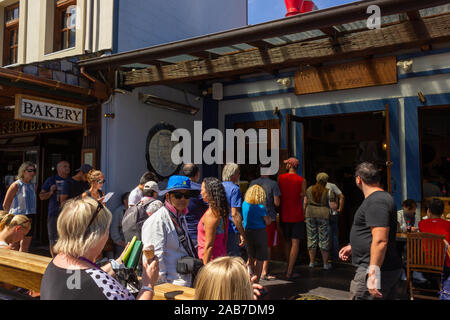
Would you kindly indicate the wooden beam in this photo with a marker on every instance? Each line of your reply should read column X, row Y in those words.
column 352, row 45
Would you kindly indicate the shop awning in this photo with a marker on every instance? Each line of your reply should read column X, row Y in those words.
column 305, row 39
column 13, row 82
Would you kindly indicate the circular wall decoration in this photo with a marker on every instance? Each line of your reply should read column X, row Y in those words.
column 159, row 149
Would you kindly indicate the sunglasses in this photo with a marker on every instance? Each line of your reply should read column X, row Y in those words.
column 101, row 181
column 97, row 210
column 179, row 195
column 31, row 170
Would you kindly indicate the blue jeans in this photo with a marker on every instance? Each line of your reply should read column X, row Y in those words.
column 334, row 237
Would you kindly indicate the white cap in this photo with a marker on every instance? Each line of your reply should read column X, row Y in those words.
column 151, row 185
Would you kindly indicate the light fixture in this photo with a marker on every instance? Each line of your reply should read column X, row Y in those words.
column 285, row 82
column 166, row 104
column 422, row 97
column 109, row 115
column 406, row 65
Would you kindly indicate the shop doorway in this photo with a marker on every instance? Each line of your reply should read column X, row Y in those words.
column 434, row 131
column 336, row 144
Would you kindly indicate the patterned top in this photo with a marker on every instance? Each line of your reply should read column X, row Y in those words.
column 87, row 284
column 24, row 201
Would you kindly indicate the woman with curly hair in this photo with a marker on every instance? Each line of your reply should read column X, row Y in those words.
column 255, row 219
column 213, row 226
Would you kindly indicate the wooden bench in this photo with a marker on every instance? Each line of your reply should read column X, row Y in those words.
column 26, row 270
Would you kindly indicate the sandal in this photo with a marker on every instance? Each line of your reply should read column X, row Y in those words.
column 292, row 276
column 267, row 277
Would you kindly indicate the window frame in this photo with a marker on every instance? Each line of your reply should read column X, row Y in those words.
column 9, row 27
column 61, row 7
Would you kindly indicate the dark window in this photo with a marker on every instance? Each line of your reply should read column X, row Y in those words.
column 11, row 40
column 65, row 24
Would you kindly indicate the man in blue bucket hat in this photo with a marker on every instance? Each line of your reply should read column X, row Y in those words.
column 166, row 230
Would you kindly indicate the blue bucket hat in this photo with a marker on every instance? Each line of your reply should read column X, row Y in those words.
column 176, row 183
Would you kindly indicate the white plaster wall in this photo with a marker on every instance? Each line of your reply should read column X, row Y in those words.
column 124, row 137
column 144, row 23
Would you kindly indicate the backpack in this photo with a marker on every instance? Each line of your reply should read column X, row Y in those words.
column 133, row 220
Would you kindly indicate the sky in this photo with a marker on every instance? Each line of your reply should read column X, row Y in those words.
column 265, row 10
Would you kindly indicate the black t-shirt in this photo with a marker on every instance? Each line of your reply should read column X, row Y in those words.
column 89, row 284
column 74, row 188
column 377, row 210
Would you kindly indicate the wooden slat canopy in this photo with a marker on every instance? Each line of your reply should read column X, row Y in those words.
column 402, row 35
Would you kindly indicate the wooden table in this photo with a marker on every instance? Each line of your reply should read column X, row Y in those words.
column 168, row 291
column 21, row 269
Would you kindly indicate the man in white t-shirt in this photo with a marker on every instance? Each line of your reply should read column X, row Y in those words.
column 336, row 210
column 137, row 193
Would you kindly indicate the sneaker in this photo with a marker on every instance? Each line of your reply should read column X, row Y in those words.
column 418, row 276
column 312, row 264
column 327, row 266
column 403, row 275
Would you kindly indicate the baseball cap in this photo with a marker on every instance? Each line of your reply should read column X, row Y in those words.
column 85, row 168
column 151, row 185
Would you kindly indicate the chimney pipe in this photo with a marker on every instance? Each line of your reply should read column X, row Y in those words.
column 293, row 7
column 308, row 6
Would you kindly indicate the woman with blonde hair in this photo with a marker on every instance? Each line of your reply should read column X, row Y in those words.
column 83, row 228
column 96, row 180
column 20, row 198
column 256, row 218
column 13, row 228
column 225, row 278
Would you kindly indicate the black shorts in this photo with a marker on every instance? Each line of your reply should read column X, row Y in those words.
column 295, row 230
column 256, row 240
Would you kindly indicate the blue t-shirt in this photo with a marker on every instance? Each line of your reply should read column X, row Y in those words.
column 196, row 208
column 234, row 201
column 54, row 205
column 253, row 216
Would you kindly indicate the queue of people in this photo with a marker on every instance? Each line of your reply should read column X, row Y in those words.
column 230, row 227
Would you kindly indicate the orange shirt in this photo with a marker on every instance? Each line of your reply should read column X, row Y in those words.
column 291, row 186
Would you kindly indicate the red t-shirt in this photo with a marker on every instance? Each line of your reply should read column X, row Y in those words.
column 291, row 201
column 436, row 226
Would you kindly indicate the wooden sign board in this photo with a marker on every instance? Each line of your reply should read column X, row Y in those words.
column 49, row 111
column 366, row 73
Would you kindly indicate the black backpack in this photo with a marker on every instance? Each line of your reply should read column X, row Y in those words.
column 133, row 220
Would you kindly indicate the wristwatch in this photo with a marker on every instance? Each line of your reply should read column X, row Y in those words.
column 146, row 288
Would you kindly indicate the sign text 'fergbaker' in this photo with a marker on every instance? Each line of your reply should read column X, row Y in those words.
column 37, row 109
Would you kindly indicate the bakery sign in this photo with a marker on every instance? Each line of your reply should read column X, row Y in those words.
column 49, row 111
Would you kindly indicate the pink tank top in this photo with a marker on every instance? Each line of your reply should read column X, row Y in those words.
column 220, row 242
